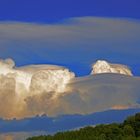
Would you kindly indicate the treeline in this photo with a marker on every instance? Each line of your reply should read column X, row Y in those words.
column 128, row 130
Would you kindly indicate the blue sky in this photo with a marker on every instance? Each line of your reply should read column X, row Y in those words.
column 55, row 10
column 81, row 51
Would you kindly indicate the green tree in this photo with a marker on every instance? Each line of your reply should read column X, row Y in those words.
column 137, row 125
column 128, row 130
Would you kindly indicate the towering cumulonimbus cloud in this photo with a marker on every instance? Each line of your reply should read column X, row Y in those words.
column 19, row 83
column 42, row 78
column 54, row 90
column 102, row 66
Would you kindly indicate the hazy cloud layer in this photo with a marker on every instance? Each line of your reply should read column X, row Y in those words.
column 81, row 41
column 53, row 90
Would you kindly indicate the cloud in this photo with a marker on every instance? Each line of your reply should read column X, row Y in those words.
column 54, row 90
column 7, row 96
column 74, row 29
column 102, row 66
column 80, row 40
column 17, row 84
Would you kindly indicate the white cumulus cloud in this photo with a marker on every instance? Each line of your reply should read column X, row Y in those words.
column 102, row 66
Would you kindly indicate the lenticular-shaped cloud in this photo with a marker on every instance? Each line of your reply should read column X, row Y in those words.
column 54, row 90
column 102, row 66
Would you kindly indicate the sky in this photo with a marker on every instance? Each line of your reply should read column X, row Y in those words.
column 72, row 36
column 71, row 33
column 54, row 10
